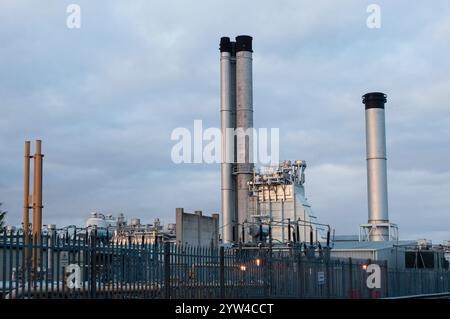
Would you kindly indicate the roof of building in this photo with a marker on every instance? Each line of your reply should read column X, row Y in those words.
column 371, row 245
column 340, row 238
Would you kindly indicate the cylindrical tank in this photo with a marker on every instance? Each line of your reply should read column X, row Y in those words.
column 121, row 220
column 51, row 228
column 171, row 228
column 97, row 222
column 110, row 221
column 376, row 164
column 135, row 221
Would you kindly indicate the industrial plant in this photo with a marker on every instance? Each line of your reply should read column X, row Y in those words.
column 266, row 242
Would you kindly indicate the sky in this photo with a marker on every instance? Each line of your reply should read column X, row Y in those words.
column 105, row 98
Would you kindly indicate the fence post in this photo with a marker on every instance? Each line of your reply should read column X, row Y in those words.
column 222, row 272
column 92, row 272
column 328, row 278
column 350, row 278
column 270, row 270
column 167, row 270
column 386, row 279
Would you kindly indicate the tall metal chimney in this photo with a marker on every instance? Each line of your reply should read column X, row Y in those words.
column 244, row 119
column 227, row 118
column 376, row 167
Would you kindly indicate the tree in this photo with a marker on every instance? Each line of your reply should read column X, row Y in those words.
column 2, row 218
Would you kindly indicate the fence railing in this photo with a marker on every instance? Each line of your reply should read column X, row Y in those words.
column 88, row 267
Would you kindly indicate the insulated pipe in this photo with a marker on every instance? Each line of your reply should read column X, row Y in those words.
column 376, row 165
column 244, row 124
column 226, row 119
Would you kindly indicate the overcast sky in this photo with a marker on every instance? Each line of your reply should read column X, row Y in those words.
column 105, row 98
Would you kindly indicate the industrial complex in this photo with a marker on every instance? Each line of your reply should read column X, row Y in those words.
column 266, row 241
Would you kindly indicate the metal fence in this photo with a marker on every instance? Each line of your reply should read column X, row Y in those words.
column 87, row 267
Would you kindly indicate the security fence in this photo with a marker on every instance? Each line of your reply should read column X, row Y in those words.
column 68, row 266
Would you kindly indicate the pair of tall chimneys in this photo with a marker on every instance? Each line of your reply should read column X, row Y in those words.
column 236, row 109
column 34, row 201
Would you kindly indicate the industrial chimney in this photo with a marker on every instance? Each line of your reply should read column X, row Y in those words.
column 227, row 119
column 244, row 123
column 237, row 114
column 378, row 225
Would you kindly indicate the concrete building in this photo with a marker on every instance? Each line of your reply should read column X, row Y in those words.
column 196, row 229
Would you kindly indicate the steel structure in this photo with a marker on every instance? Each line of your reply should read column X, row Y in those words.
column 236, row 121
column 278, row 201
column 228, row 122
column 378, row 227
column 87, row 267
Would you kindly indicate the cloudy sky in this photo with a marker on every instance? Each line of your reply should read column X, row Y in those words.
column 105, row 98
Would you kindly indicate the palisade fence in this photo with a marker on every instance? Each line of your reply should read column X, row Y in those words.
column 87, row 267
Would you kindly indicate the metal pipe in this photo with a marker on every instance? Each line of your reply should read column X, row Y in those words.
column 233, row 124
column 226, row 115
column 37, row 200
column 376, row 165
column 244, row 123
column 289, row 229
column 26, row 201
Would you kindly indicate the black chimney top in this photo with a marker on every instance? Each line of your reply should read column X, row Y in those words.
column 374, row 100
column 244, row 43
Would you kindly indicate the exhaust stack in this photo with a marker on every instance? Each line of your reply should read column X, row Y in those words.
column 227, row 119
column 244, row 124
column 237, row 116
column 378, row 224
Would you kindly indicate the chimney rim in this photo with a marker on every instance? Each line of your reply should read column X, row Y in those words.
column 225, row 44
column 374, row 100
column 244, row 43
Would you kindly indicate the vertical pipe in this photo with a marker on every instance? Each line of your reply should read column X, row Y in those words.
column 244, row 123
column 166, row 270
column 26, row 201
column 233, row 125
column 226, row 116
column 37, row 199
column 376, row 165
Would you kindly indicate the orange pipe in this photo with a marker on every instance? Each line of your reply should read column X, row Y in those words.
column 37, row 200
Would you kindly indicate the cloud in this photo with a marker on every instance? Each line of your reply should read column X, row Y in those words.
column 105, row 99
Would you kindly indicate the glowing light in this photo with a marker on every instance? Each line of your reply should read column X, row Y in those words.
column 243, row 268
column 258, row 262
column 364, row 267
